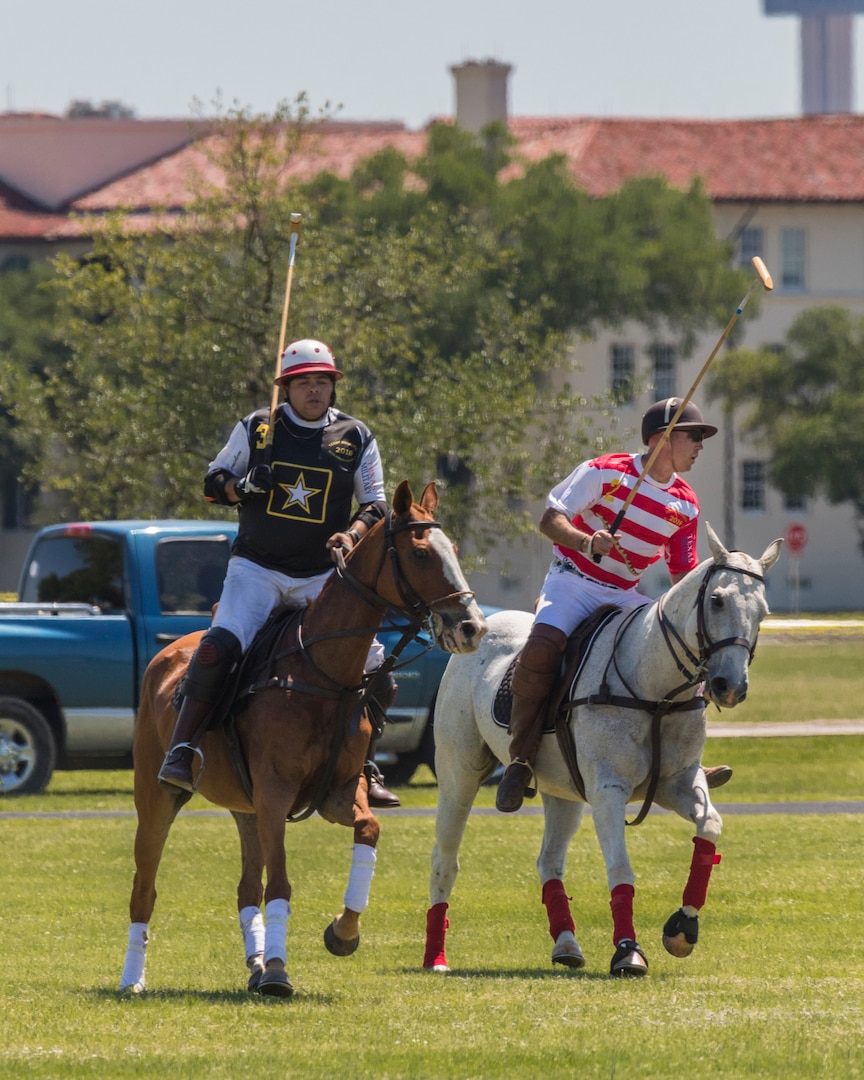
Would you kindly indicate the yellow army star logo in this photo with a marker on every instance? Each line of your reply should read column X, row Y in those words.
column 299, row 494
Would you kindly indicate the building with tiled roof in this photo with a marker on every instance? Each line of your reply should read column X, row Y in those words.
column 790, row 190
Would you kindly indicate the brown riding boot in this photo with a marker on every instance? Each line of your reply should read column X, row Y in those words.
column 379, row 797
column 380, row 695
column 536, row 670
column 717, row 775
column 176, row 771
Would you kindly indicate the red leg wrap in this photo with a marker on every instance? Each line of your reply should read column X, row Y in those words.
column 622, row 913
column 437, row 925
column 557, row 908
column 705, row 858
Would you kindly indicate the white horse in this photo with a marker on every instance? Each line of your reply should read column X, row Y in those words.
column 702, row 631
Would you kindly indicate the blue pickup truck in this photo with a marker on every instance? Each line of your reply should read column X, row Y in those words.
column 96, row 602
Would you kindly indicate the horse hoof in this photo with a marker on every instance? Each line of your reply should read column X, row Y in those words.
column 275, row 984
column 440, row 969
column 257, row 971
column 132, row 988
column 567, row 951
column 680, row 934
column 629, row 961
column 338, row 946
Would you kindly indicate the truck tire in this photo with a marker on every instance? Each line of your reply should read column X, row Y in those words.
column 27, row 748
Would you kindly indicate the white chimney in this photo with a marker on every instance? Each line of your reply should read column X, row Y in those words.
column 481, row 93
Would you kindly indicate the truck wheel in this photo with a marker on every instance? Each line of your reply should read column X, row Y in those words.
column 27, row 749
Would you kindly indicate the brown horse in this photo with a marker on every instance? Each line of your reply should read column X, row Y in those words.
column 299, row 735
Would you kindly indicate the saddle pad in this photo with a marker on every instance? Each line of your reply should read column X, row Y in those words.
column 502, row 705
column 578, row 645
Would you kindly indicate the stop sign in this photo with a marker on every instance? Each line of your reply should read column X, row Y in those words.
column 796, row 538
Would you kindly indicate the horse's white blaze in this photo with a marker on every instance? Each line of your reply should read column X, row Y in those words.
column 461, row 634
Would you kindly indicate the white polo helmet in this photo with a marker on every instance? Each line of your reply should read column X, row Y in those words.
column 303, row 357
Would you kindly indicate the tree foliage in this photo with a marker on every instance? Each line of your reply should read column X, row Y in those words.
column 447, row 286
column 804, row 404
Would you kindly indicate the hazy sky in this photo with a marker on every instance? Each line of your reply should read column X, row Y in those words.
column 389, row 59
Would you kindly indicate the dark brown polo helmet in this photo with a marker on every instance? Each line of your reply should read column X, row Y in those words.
column 657, row 417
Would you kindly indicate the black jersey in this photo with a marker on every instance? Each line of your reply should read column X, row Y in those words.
column 313, row 486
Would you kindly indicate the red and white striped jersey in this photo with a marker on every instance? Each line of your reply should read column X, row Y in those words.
column 662, row 519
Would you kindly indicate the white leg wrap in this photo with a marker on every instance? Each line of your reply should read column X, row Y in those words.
column 252, row 929
column 360, row 879
column 276, row 933
column 136, row 956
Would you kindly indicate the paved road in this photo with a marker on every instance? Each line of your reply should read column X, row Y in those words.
column 719, row 730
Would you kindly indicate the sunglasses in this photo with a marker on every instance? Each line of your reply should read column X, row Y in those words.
column 695, row 434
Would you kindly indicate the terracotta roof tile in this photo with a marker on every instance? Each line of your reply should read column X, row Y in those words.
column 802, row 159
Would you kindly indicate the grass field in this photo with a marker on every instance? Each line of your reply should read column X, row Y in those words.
column 774, row 989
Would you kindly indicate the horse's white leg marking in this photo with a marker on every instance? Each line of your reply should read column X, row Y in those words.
column 252, row 929
column 276, row 914
column 132, row 978
column 360, row 879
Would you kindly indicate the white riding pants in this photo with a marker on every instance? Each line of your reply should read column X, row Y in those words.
column 567, row 598
column 251, row 592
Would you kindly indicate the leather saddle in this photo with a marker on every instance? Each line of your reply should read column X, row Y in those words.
column 578, row 646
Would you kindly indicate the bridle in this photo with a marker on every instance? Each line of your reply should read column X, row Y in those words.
column 657, row 709
column 707, row 646
column 421, row 610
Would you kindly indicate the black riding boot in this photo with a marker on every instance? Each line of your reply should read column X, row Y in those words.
column 176, row 769
column 379, row 697
column 209, row 671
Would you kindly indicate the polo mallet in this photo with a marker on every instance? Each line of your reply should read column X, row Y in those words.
column 274, row 399
column 763, row 278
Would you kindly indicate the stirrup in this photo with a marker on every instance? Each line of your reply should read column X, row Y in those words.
column 195, row 750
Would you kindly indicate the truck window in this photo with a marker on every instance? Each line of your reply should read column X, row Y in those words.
column 77, row 569
column 190, row 573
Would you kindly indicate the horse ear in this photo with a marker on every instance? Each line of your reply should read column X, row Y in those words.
column 717, row 550
column 771, row 554
column 429, row 498
column 402, row 498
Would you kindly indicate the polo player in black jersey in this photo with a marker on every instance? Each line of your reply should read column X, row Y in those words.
column 295, row 501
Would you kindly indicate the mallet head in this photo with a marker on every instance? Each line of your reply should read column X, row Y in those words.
column 762, row 270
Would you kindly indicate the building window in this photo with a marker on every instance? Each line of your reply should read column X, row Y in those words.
column 622, row 363
column 753, row 484
column 793, row 248
column 750, row 244
column 796, row 503
column 665, row 363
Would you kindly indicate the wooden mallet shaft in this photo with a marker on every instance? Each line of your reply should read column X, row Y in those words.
column 296, row 220
column 763, row 278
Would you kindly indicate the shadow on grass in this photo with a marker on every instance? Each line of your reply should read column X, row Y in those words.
column 539, row 974
column 210, row 997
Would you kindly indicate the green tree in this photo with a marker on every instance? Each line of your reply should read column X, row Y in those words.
column 804, row 404
column 448, row 288
column 30, row 353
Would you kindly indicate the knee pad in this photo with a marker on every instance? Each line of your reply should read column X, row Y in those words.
column 211, row 666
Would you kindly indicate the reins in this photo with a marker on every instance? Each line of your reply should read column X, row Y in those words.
column 657, row 709
column 420, row 611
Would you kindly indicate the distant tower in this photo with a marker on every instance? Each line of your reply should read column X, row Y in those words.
column 481, row 93
column 827, row 71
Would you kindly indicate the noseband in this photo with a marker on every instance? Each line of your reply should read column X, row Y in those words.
column 421, row 610
column 707, row 647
